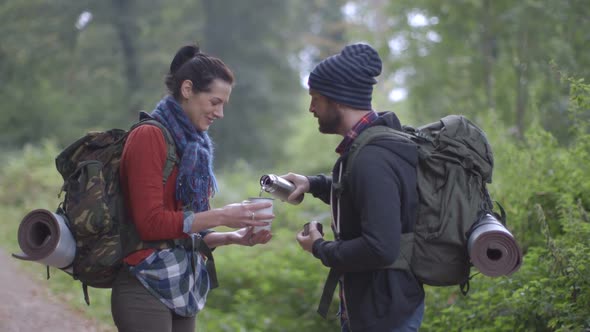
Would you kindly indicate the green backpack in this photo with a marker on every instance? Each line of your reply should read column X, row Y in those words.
column 455, row 162
column 94, row 206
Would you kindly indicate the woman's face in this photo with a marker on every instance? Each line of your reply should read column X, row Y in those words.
column 203, row 108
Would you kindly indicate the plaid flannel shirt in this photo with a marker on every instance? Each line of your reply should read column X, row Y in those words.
column 178, row 277
column 363, row 123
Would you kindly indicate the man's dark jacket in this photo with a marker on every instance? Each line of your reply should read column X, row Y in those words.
column 377, row 205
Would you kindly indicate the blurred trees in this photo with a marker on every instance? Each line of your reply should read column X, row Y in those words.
column 255, row 38
column 58, row 80
column 479, row 56
column 470, row 56
column 30, row 52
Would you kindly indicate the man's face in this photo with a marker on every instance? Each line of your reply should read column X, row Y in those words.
column 327, row 113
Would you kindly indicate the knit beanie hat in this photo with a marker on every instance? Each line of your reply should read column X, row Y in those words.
column 348, row 77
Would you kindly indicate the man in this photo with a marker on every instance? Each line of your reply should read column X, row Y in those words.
column 376, row 205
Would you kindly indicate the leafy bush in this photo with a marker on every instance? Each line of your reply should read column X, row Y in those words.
column 545, row 190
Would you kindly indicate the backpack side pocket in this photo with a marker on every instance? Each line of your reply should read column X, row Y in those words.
column 85, row 202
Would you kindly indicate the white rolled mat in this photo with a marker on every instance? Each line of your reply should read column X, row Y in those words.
column 493, row 249
column 44, row 237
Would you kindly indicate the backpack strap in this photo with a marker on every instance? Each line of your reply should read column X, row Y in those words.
column 171, row 157
column 365, row 137
column 328, row 292
column 197, row 244
column 344, row 171
column 132, row 241
column 171, row 160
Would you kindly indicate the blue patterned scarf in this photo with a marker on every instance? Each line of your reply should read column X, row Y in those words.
column 196, row 182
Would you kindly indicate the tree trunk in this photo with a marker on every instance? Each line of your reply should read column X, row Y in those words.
column 489, row 49
column 125, row 26
column 521, row 83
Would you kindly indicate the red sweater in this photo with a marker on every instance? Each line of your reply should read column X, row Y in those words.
column 151, row 206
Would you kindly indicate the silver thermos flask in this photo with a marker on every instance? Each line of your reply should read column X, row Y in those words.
column 276, row 186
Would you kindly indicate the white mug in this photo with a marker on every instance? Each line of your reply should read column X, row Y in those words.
column 267, row 210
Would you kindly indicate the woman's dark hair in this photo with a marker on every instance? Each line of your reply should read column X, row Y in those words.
column 190, row 64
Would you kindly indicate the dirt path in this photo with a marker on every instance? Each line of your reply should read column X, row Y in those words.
column 25, row 304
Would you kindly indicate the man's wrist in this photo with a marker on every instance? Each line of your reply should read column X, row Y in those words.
column 315, row 247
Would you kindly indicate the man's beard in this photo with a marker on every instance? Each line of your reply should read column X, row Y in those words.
column 330, row 122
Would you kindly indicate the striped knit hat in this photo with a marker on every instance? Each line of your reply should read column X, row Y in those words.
column 348, row 77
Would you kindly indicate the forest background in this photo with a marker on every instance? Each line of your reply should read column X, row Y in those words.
column 519, row 69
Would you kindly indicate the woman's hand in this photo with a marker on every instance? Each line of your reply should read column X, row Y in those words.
column 239, row 215
column 236, row 215
column 301, row 187
column 247, row 237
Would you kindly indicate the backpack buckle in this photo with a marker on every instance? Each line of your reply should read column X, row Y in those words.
column 338, row 188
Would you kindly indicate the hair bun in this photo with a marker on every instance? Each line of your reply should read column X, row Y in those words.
column 183, row 55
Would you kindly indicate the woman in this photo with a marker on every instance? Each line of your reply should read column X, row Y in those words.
column 163, row 289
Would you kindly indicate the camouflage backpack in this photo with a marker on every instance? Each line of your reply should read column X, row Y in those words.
column 94, row 206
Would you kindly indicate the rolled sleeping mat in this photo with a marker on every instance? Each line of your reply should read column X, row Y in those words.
column 493, row 249
column 45, row 238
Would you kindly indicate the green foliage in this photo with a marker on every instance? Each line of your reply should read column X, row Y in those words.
column 29, row 176
column 544, row 188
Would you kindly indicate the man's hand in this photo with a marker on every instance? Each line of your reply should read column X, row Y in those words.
column 306, row 241
column 301, row 187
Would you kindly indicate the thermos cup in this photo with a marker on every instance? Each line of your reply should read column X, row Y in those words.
column 276, row 186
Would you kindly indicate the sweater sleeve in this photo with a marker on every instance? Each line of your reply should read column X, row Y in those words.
column 375, row 193
column 320, row 187
column 142, row 164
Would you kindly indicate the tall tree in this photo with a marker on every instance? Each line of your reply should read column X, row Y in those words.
column 101, row 75
column 476, row 56
column 33, row 53
column 125, row 24
column 255, row 39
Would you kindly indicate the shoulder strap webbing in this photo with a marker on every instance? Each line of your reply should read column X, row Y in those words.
column 328, row 292
column 171, row 157
column 171, row 161
column 199, row 245
column 366, row 136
